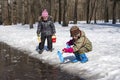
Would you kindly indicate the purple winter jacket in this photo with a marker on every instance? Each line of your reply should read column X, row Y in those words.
column 46, row 28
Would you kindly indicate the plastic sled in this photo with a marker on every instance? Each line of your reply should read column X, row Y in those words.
column 61, row 58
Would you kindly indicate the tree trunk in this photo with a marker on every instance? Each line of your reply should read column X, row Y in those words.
column 30, row 13
column 25, row 12
column 19, row 11
column 50, row 7
column 55, row 17
column 93, row 6
column 114, row 12
column 6, row 13
column 95, row 11
column 75, row 12
column 65, row 22
column 14, row 12
column 60, row 12
column 87, row 12
column 1, row 12
column 106, row 11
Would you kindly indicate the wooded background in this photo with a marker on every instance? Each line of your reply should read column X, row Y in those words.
column 28, row 11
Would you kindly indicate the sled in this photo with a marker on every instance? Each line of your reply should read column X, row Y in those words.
column 61, row 58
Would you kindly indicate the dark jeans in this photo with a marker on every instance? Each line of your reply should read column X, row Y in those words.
column 49, row 42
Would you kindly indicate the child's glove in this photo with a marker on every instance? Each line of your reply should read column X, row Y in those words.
column 69, row 50
column 71, row 42
column 39, row 39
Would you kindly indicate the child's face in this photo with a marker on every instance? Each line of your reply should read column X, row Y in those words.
column 45, row 18
column 75, row 37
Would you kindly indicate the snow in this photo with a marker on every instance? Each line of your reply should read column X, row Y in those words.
column 104, row 60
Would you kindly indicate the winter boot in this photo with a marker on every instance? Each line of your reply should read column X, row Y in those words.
column 40, row 51
column 74, row 61
column 83, row 58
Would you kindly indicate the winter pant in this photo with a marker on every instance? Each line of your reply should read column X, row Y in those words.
column 77, row 55
column 81, row 57
column 49, row 42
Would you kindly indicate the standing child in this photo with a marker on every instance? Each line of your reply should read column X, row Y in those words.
column 45, row 30
column 81, row 45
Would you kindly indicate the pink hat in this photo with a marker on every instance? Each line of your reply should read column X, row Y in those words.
column 44, row 13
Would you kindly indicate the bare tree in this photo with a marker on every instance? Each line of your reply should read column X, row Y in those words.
column 60, row 12
column 0, row 12
column 14, row 12
column 23, row 12
column 65, row 22
column 114, row 11
column 75, row 12
column 92, row 9
column 27, row 11
column 6, row 13
column 95, row 11
column 31, row 13
column 106, row 16
column 118, row 11
column 88, row 11
column 19, row 11
column 50, row 6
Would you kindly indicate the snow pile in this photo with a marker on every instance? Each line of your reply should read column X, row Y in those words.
column 104, row 60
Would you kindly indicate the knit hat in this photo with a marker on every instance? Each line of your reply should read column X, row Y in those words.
column 44, row 13
column 74, row 31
